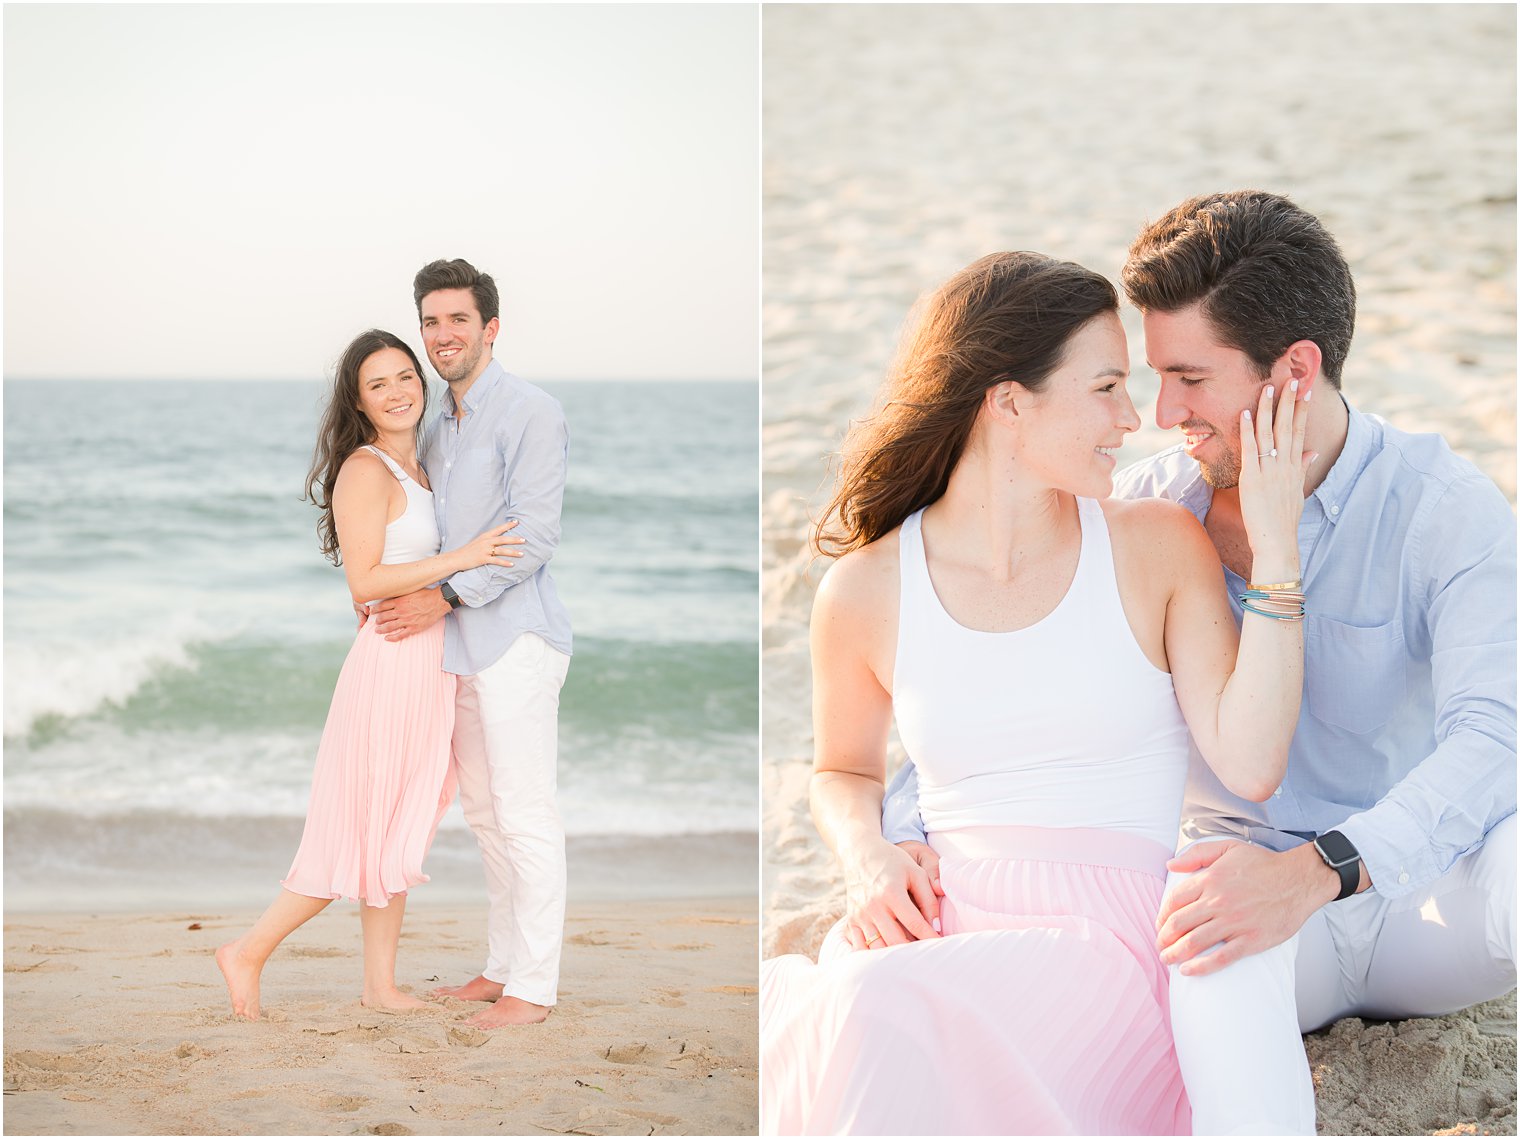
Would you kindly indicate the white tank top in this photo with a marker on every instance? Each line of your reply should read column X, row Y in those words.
column 1062, row 724
column 414, row 535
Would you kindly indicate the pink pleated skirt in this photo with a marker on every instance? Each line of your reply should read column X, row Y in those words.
column 384, row 776
column 1042, row 1011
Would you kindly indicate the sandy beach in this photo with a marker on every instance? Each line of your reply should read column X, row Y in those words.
column 119, row 1025
column 903, row 142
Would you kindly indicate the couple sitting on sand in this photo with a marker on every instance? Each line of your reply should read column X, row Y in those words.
column 424, row 707
column 1057, row 643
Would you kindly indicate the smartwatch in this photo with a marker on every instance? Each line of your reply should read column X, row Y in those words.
column 1338, row 853
column 454, row 603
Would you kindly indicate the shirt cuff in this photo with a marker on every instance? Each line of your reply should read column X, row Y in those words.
column 1395, row 848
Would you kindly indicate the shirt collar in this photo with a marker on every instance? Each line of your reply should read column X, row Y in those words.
column 479, row 391
column 1194, row 491
column 1361, row 441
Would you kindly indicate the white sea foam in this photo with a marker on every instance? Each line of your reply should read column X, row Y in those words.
column 72, row 676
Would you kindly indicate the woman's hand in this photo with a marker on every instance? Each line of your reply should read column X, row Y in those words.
column 492, row 548
column 891, row 899
column 1273, row 467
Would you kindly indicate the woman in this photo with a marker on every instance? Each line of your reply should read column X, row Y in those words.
column 1045, row 652
column 383, row 777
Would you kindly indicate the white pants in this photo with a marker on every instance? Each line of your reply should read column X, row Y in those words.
column 1433, row 952
column 505, row 745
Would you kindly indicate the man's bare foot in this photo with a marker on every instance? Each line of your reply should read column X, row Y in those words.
column 392, row 1000
column 479, row 989
column 242, row 979
column 510, row 1010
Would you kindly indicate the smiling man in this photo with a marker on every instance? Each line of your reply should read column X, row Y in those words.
column 498, row 453
column 1379, row 879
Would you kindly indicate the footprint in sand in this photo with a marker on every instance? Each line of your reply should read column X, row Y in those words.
column 46, row 965
column 604, row 1121
column 317, row 951
column 594, row 937
column 414, row 1043
column 342, row 1102
column 736, row 990
column 386, row 1129
column 463, row 1036
column 648, row 1052
column 666, row 998
column 71, row 1063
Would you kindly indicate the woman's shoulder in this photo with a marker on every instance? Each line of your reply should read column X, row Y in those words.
column 363, row 470
column 1150, row 519
column 863, row 579
column 1158, row 532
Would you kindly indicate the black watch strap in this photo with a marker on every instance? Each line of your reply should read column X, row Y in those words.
column 450, row 596
column 1338, row 853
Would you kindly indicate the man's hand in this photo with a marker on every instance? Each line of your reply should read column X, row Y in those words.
column 361, row 612
column 891, row 900
column 1245, row 896
column 409, row 614
column 927, row 857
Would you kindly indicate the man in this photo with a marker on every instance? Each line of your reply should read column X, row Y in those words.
column 498, row 452
column 1379, row 878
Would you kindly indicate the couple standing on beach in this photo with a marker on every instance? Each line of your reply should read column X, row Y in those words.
column 453, row 680
column 1057, row 644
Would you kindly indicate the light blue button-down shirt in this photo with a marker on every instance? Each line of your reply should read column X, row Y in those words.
column 504, row 459
column 1406, row 738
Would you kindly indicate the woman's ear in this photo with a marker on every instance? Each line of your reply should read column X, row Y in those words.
column 1005, row 401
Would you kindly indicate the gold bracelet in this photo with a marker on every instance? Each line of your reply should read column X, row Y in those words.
column 1278, row 586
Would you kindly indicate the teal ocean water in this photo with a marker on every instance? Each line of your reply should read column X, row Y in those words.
column 172, row 633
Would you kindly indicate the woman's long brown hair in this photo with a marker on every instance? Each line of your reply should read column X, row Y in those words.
column 1005, row 317
column 345, row 429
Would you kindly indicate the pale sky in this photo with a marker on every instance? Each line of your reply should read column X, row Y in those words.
column 233, row 191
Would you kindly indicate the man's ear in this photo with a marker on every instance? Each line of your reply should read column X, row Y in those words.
column 1301, row 362
column 493, row 326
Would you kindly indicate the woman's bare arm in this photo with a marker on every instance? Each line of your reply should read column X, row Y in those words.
column 360, row 502
column 853, row 638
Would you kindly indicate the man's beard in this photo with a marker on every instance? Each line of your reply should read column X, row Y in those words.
column 459, row 367
column 1222, row 474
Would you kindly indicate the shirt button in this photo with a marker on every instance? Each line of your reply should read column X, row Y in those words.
column 1403, row 878
column 1277, row 794
column 1335, row 509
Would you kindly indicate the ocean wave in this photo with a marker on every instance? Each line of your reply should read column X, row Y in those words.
column 67, row 678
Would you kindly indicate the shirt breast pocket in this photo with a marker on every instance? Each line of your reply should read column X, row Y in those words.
column 1355, row 678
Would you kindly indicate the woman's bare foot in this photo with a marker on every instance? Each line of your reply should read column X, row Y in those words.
column 479, row 989
column 392, row 1000
column 242, row 979
column 510, row 1010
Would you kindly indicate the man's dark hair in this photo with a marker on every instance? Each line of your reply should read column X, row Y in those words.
column 1266, row 272
column 457, row 274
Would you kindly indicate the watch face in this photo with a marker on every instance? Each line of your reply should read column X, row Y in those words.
column 1336, row 848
